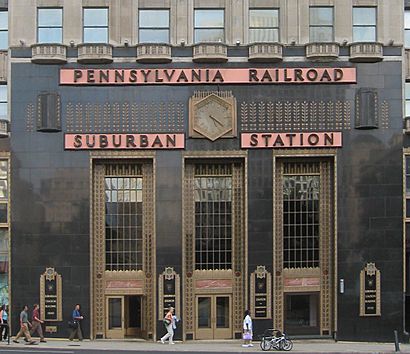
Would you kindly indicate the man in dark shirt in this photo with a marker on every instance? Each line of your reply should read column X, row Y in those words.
column 36, row 323
column 24, row 324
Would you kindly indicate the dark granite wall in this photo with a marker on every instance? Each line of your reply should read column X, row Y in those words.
column 50, row 192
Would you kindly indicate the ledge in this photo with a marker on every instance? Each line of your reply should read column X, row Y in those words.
column 366, row 52
column 322, row 51
column 95, row 53
column 48, row 53
column 210, row 53
column 407, row 63
column 154, row 53
column 265, row 52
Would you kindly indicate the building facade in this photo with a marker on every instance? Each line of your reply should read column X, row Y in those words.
column 209, row 155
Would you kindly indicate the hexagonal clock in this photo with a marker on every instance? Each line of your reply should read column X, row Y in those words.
column 213, row 117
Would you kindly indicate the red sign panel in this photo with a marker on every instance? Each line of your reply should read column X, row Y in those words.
column 290, row 140
column 214, row 284
column 125, row 284
column 297, row 282
column 207, row 76
column 123, row 141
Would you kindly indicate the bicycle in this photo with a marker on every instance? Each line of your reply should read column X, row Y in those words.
column 275, row 339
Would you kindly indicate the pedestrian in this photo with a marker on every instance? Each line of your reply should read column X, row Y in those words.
column 4, row 317
column 169, row 325
column 76, row 318
column 36, row 323
column 24, row 325
column 247, row 330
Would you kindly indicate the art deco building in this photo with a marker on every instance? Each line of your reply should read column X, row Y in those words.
column 211, row 155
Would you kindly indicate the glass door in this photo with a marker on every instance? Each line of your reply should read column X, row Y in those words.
column 213, row 317
column 115, row 317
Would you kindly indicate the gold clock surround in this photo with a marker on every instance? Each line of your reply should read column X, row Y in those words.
column 212, row 115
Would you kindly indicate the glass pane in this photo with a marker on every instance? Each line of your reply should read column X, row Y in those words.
column 407, row 90
column 407, row 19
column 3, row 189
column 3, row 93
column 3, row 213
column 407, row 109
column 264, row 18
column 263, row 35
column 50, row 35
column 321, row 16
column 96, row 17
column 407, row 38
column 50, row 17
column 364, row 16
column 321, row 34
column 4, row 292
column 209, row 18
column 154, row 18
column 222, row 312
column 4, row 40
column 209, row 35
column 3, row 169
column 364, row 34
column 4, row 20
column 204, row 312
column 114, row 313
column 4, row 241
column 3, row 110
column 154, row 36
column 95, row 35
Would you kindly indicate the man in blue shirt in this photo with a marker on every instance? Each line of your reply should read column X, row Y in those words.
column 76, row 319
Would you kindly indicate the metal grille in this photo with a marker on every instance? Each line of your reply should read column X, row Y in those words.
column 301, row 221
column 213, row 222
column 123, row 223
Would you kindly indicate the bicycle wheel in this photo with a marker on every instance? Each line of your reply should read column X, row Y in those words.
column 265, row 344
column 287, row 344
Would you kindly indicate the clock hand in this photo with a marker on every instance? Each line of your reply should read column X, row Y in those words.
column 216, row 120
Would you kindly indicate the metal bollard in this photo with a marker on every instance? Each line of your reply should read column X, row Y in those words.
column 396, row 341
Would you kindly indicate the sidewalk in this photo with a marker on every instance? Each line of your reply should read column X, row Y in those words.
column 300, row 346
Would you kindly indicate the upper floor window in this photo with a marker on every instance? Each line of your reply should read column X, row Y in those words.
column 407, row 28
column 321, row 24
column 154, row 26
column 364, row 24
column 50, row 25
column 209, row 25
column 4, row 30
column 95, row 25
column 3, row 101
column 263, row 25
column 407, row 98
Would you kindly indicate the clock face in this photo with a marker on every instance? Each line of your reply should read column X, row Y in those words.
column 212, row 117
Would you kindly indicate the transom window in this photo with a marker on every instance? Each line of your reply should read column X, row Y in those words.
column 321, row 24
column 213, row 222
column 209, row 25
column 301, row 221
column 95, row 25
column 407, row 28
column 364, row 24
column 154, row 26
column 263, row 25
column 4, row 30
column 123, row 220
column 49, row 25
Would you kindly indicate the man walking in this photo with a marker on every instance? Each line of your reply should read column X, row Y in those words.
column 36, row 323
column 24, row 324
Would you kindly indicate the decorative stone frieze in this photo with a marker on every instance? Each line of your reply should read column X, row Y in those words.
column 322, row 51
column 48, row 53
column 210, row 53
column 154, row 53
column 95, row 53
column 366, row 52
column 265, row 52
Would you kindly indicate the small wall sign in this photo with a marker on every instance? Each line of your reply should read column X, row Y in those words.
column 51, row 289
column 370, row 300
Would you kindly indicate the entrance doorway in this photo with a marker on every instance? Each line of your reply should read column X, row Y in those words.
column 302, row 314
column 124, row 317
column 213, row 317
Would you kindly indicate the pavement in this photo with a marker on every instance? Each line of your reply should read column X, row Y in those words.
column 229, row 346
